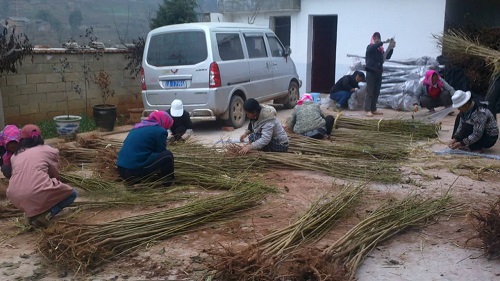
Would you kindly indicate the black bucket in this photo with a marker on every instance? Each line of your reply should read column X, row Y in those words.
column 105, row 116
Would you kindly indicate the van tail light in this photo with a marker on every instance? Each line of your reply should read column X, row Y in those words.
column 214, row 76
column 143, row 80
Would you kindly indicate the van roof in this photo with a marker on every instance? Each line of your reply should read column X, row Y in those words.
column 208, row 26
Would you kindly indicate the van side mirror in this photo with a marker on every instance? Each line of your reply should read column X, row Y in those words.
column 288, row 51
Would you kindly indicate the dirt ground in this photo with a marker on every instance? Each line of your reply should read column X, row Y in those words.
column 437, row 252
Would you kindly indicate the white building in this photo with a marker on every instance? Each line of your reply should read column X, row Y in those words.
column 322, row 33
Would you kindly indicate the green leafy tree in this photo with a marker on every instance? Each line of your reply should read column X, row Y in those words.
column 75, row 19
column 174, row 12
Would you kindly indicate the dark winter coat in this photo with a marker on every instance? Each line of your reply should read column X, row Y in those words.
column 375, row 58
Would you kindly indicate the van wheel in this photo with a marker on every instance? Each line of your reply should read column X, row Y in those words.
column 293, row 96
column 236, row 112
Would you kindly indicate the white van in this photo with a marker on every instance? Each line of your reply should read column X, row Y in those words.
column 214, row 67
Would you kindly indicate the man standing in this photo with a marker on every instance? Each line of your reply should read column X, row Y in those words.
column 375, row 57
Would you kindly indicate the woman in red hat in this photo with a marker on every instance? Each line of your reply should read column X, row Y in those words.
column 34, row 186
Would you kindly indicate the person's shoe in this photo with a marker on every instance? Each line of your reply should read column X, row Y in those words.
column 369, row 114
column 332, row 105
column 432, row 110
column 41, row 221
column 377, row 113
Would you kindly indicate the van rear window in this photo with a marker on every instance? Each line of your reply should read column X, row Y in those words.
column 177, row 48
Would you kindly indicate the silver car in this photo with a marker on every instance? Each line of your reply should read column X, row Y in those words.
column 214, row 67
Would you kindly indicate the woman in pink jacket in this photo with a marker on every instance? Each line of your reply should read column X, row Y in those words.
column 34, row 186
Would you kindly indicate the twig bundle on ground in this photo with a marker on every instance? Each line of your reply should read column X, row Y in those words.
column 488, row 228
column 353, row 169
column 267, row 259
column 416, row 129
column 80, row 246
column 348, row 145
column 389, row 219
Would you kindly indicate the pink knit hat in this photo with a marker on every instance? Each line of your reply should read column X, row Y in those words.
column 9, row 133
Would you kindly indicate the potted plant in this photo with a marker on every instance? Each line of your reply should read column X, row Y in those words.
column 104, row 114
column 135, row 113
column 67, row 125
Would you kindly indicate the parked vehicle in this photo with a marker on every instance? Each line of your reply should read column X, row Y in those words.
column 214, row 67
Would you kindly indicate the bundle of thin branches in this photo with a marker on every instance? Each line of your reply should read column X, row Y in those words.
column 76, row 154
column 313, row 225
column 349, row 149
column 389, row 219
column 475, row 170
column 354, row 169
column 189, row 157
column 142, row 197
column 95, row 141
column 457, row 42
column 414, row 128
column 79, row 246
column 262, row 260
column 88, row 183
column 9, row 211
column 488, row 228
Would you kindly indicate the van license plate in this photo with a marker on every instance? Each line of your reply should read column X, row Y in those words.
column 169, row 84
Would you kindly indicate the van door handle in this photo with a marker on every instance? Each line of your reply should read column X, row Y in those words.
column 275, row 63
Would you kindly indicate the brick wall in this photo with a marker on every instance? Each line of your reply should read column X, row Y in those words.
column 36, row 92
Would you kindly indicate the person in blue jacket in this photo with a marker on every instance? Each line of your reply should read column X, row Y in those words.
column 144, row 152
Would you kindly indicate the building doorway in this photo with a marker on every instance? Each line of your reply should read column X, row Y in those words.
column 324, row 51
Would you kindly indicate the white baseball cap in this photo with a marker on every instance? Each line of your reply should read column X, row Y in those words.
column 460, row 97
column 176, row 108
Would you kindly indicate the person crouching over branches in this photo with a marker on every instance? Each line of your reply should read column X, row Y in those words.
column 9, row 141
column 144, row 152
column 308, row 120
column 34, row 186
column 433, row 91
column 475, row 126
column 264, row 130
column 182, row 128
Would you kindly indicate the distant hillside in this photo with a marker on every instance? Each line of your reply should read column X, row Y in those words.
column 111, row 19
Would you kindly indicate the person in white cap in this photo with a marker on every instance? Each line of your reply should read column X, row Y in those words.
column 182, row 127
column 475, row 126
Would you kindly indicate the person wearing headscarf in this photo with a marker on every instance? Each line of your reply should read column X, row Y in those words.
column 264, row 131
column 35, row 187
column 308, row 120
column 9, row 141
column 375, row 58
column 144, row 152
column 434, row 91
column 475, row 126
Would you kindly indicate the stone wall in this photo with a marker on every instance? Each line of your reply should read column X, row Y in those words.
column 37, row 92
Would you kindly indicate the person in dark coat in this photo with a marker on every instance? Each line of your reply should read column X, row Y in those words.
column 182, row 121
column 375, row 57
column 342, row 90
column 475, row 127
column 144, row 152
